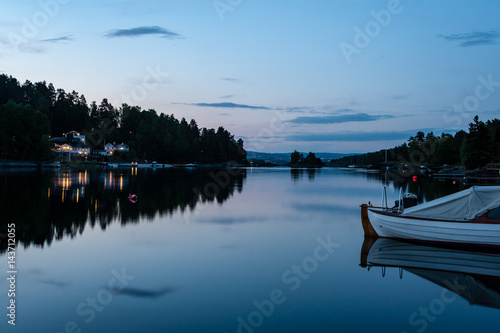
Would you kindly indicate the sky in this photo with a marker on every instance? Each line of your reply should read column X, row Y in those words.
column 345, row 76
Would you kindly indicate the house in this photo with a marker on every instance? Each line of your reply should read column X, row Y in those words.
column 72, row 143
column 76, row 135
column 123, row 147
column 111, row 148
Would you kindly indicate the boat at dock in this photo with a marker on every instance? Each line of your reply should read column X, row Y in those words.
column 471, row 216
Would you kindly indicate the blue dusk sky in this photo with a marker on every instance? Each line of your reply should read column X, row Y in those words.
column 322, row 76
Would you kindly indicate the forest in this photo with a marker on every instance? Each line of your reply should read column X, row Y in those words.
column 32, row 113
column 474, row 149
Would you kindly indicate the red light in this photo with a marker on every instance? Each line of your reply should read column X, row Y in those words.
column 414, row 178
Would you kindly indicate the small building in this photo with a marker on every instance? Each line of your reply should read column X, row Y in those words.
column 123, row 147
column 111, row 148
column 75, row 135
column 72, row 143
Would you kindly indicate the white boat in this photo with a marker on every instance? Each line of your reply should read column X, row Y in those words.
column 470, row 216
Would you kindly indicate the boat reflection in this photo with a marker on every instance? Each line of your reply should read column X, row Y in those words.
column 472, row 273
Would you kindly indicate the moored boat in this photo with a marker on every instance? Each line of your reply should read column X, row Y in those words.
column 471, row 216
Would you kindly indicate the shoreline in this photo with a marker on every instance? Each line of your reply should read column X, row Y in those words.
column 110, row 165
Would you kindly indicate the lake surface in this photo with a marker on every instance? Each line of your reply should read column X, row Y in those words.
column 254, row 250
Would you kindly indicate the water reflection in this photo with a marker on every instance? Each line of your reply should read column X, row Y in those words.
column 51, row 205
column 69, row 186
column 470, row 273
column 142, row 293
column 423, row 186
column 297, row 173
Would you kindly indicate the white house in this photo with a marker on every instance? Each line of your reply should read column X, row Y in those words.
column 76, row 135
column 72, row 143
column 111, row 148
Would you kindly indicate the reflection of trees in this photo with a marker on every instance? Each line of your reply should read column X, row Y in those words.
column 297, row 173
column 52, row 205
column 424, row 187
column 311, row 173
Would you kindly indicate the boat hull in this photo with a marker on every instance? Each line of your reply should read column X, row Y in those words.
column 394, row 226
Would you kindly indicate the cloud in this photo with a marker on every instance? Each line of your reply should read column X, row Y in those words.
column 228, row 105
column 327, row 109
column 230, row 79
column 143, row 31
column 336, row 119
column 298, row 109
column 355, row 136
column 473, row 38
column 227, row 96
column 66, row 38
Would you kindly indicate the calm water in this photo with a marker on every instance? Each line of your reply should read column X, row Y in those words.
column 259, row 250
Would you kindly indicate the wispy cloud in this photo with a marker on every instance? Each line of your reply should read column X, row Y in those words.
column 228, row 105
column 231, row 79
column 298, row 109
column 318, row 110
column 227, row 96
column 355, row 136
column 336, row 119
column 143, row 31
column 473, row 38
column 67, row 38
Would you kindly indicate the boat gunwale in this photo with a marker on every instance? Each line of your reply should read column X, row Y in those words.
column 482, row 219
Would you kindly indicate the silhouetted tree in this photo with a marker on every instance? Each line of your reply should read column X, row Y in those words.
column 476, row 150
column 296, row 157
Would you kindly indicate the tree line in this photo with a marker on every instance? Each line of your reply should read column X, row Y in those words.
column 31, row 113
column 298, row 160
column 473, row 149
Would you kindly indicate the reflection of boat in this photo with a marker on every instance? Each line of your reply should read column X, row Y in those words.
column 472, row 274
column 471, row 216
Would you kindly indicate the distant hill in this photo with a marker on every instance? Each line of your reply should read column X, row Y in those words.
column 284, row 158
